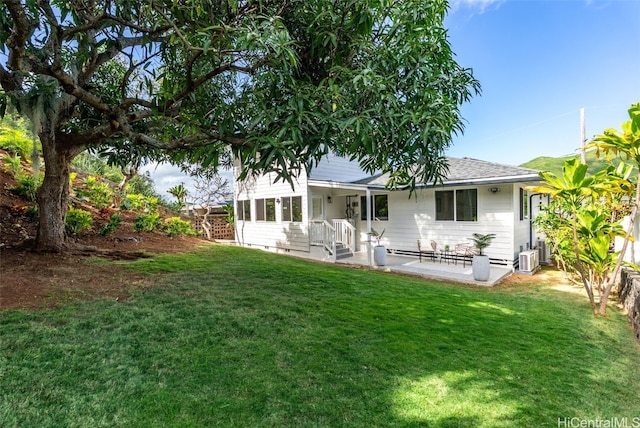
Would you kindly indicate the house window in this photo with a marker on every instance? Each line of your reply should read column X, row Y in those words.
column 467, row 205
column 379, row 206
column 524, row 204
column 461, row 205
column 266, row 209
column 292, row 208
column 444, row 205
column 260, row 209
column 270, row 209
column 244, row 210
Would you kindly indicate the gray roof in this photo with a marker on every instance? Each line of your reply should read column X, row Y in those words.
column 470, row 171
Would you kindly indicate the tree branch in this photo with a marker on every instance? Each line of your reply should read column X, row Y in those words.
column 17, row 40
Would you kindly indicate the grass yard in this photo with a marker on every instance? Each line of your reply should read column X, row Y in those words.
column 239, row 337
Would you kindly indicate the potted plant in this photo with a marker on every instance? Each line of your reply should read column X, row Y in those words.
column 379, row 251
column 480, row 264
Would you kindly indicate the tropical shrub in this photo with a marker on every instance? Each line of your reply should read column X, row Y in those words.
column 139, row 202
column 13, row 165
column 581, row 225
column 147, row 222
column 114, row 221
column 77, row 221
column 15, row 141
column 72, row 178
column 98, row 192
column 27, row 186
column 176, row 226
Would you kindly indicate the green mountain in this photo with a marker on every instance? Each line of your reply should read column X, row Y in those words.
column 546, row 163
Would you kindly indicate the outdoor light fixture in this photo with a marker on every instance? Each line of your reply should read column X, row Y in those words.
column 277, row 200
column 494, row 189
column 329, row 199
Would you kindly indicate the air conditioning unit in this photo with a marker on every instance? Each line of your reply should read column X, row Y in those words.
column 543, row 252
column 529, row 262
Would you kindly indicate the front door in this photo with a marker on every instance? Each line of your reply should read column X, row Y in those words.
column 317, row 207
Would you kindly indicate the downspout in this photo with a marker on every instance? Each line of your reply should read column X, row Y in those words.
column 369, row 248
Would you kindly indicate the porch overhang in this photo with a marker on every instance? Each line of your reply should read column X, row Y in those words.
column 328, row 184
column 486, row 181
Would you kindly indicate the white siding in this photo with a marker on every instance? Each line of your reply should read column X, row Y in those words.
column 337, row 168
column 413, row 218
column 522, row 230
column 277, row 234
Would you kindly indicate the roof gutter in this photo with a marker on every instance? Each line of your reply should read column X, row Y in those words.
column 485, row 181
column 450, row 183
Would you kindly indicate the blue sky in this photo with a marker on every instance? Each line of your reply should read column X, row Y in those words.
column 539, row 62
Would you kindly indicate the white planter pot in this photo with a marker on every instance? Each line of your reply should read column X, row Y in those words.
column 481, row 268
column 380, row 255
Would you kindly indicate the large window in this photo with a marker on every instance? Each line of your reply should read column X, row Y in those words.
column 244, row 210
column 292, row 208
column 459, row 205
column 266, row 209
column 379, row 206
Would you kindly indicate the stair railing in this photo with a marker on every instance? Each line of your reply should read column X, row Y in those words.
column 345, row 233
column 324, row 234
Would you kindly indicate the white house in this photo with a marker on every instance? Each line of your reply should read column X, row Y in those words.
column 328, row 208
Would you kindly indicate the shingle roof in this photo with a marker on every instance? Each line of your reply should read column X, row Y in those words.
column 469, row 170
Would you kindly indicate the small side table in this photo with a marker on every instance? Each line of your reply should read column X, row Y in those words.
column 448, row 255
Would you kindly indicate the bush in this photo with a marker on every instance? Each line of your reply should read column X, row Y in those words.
column 15, row 141
column 13, row 165
column 139, row 202
column 114, row 221
column 147, row 222
column 176, row 226
column 77, row 221
column 98, row 192
column 27, row 187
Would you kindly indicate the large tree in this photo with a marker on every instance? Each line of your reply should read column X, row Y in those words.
column 274, row 83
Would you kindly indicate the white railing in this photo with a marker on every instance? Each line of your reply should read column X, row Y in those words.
column 323, row 234
column 345, row 233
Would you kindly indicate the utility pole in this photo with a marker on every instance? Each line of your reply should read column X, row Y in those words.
column 583, row 153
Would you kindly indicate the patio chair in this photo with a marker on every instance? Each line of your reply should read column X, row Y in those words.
column 434, row 248
column 466, row 251
column 423, row 250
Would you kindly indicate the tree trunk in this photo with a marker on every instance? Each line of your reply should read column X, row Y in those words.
column 206, row 226
column 53, row 196
column 586, row 282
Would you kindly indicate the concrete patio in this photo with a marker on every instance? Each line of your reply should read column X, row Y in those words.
column 436, row 269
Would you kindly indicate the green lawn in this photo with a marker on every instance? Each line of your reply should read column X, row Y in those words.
column 237, row 337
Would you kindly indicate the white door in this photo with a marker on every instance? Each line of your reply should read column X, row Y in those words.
column 317, row 207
